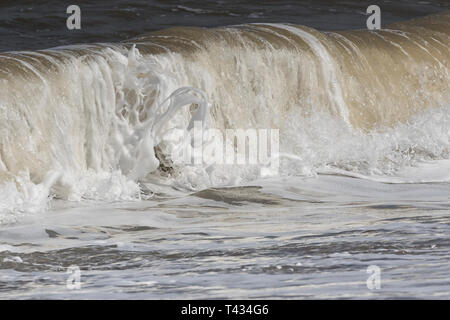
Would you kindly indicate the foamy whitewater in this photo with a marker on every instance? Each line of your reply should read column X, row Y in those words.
column 364, row 152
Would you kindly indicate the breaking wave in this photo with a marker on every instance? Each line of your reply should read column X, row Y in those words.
column 95, row 121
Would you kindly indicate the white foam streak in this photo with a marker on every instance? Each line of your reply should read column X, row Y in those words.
column 328, row 69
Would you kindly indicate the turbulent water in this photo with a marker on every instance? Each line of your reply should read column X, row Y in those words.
column 89, row 175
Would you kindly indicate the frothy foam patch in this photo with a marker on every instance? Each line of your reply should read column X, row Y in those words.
column 129, row 105
column 325, row 144
column 21, row 197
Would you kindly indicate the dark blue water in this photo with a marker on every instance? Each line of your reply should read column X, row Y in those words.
column 39, row 25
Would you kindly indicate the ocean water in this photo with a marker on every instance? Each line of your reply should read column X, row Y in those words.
column 353, row 201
